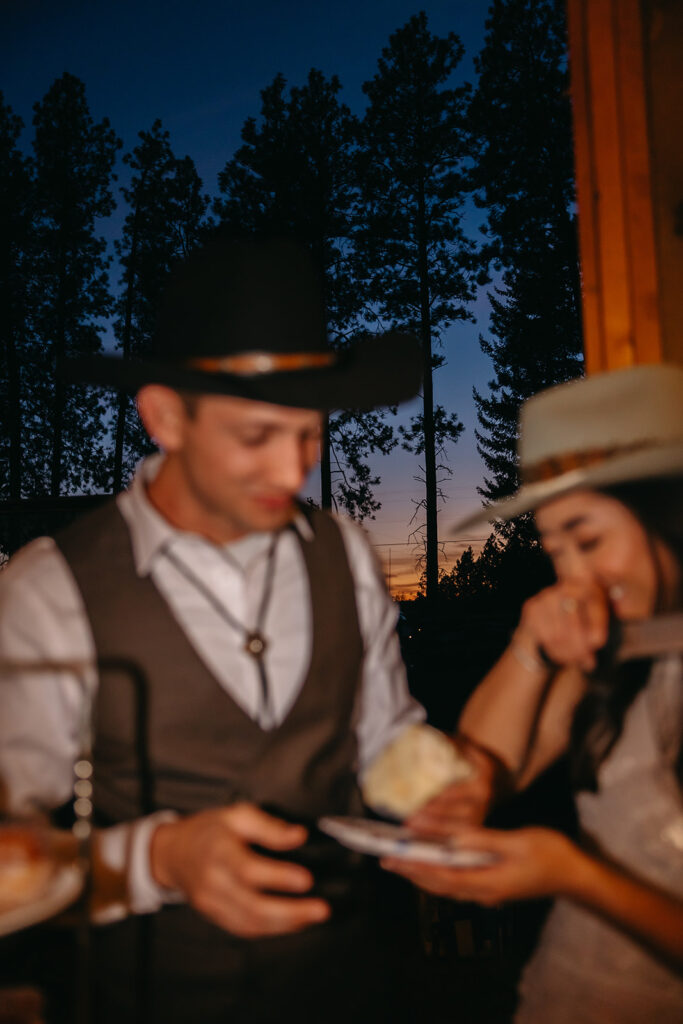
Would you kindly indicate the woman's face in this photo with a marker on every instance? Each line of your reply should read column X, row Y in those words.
column 592, row 537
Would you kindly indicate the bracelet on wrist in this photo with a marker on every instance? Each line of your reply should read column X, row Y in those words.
column 527, row 660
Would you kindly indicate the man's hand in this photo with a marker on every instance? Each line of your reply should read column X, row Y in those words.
column 465, row 802
column 208, row 857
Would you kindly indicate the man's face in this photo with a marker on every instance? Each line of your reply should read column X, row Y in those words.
column 239, row 464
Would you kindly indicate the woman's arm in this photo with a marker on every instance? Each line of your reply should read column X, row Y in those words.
column 538, row 862
column 523, row 708
column 502, row 713
column 551, row 735
column 512, row 729
column 518, row 720
column 494, row 734
column 522, row 713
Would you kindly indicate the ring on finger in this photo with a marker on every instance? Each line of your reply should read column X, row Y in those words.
column 568, row 605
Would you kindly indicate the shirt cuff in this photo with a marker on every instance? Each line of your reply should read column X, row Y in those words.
column 125, row 849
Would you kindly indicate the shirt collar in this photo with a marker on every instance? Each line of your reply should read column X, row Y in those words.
column 150, row 532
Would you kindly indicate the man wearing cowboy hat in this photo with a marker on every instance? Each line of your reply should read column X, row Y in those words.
column 248, row 666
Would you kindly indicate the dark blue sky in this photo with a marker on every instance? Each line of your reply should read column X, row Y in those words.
column 199, row 67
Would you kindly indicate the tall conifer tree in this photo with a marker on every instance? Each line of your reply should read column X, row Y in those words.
column 74, row 159
column 16, row 197
column 166, row 219
column 15, row 246
column 521, row 125
column 294, row 176
column 419, row 266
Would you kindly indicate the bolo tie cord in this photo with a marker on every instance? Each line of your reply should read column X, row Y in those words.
column 255, row 643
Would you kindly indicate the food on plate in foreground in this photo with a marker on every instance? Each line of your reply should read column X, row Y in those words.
column 25, row 868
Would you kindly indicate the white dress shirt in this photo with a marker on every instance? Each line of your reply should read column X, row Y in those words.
column 42, row 618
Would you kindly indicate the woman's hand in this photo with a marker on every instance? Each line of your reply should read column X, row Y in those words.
column 468, row 801
column 530, row 863
column 565, row 624
column 537, row 862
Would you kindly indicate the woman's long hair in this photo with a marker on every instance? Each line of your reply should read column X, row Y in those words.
column 599, row 718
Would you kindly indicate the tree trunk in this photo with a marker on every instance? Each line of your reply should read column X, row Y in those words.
column 432, row 539
column 14, row 417
column 325, row 465
column 58, row 398
column 122, row 403
column 318, row 250
column 13, row 428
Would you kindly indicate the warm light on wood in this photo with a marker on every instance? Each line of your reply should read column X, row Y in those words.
column 620, row 280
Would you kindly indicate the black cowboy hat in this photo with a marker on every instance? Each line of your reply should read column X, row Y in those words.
column 246, row 317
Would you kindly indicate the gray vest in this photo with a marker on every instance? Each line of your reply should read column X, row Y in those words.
column 167, row 734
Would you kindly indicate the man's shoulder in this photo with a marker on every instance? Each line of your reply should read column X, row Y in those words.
column 29, row 564
column 360, row 552
column 90, row 523
column 32, row 581
column 351, row 530
column 354, row 536
column 92, row 534
column 41, row 564
column 41, row 611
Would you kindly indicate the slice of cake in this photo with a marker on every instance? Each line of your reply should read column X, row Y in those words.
column 412, row 769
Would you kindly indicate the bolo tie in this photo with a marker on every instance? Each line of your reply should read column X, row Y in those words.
column 254, row 643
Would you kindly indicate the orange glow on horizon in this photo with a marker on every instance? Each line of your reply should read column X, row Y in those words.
column 401, row 569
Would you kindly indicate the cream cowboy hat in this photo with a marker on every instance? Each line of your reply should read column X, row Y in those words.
column 594, row 432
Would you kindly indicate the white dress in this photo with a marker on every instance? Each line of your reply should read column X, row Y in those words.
column 586, row 971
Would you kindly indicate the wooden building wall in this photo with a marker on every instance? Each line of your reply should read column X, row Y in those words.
column 626, row 64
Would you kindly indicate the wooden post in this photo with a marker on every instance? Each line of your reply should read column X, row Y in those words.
column 614, row 186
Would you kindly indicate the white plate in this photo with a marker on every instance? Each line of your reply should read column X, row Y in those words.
column 62, row 889
column 383, row 840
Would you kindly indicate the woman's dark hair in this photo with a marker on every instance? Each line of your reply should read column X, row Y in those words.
column 599, row 718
